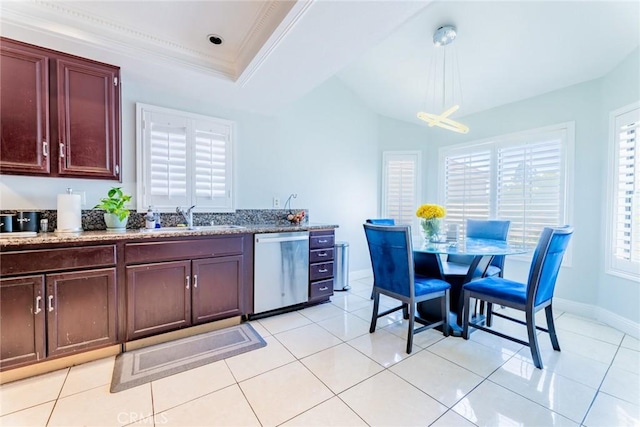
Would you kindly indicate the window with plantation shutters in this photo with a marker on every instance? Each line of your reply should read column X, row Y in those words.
column 520, row 177
column 184, row 160
column 401, row 171
column 467, row 184
column 624, row 235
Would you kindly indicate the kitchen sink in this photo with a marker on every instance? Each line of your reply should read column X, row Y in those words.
column 196, row 228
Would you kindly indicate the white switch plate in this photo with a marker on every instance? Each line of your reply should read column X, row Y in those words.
column 276, row 202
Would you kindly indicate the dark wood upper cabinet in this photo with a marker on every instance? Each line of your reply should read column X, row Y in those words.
column 60, row 114
column 24, row 110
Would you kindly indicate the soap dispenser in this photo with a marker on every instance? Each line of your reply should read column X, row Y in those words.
column 150, row 219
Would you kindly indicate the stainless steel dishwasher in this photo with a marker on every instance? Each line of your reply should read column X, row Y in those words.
column 281, row 270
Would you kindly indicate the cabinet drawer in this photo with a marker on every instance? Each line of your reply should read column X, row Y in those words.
column 136, row 253
column 321, row 271
column 321, row 255
column 46, row 260
column 319, row 242
column 321, row 289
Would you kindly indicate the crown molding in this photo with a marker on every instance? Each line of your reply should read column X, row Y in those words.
column 279, row 34
column 62, row 21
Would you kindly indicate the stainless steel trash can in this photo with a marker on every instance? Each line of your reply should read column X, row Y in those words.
column 341, row 266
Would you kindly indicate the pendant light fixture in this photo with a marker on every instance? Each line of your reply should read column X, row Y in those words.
column 444, row 92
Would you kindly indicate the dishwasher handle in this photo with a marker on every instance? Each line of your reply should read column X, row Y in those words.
column 280, row 239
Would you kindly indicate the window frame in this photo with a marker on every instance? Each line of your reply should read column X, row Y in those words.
column 514, row 139
column 613, row 266
column 416, row 156
column 192, row 119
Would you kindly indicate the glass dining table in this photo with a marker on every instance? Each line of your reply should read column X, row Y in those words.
column 428, row 262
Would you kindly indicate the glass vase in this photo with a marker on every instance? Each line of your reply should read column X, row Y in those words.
column 432, row 229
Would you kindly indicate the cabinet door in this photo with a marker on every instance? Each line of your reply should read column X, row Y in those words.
column 22, row 320
column 217, row 285
column 158, row 298
column 81, row 310
column 87, row 110
column 24, row 109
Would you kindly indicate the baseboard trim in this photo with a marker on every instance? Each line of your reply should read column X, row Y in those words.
column 601, row 315
column 47, row 366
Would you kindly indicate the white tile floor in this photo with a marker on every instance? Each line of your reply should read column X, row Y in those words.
column 321, row 367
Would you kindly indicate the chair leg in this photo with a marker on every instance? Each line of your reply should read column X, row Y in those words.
column 412, row 316
column 489, row 314
column 533, row 338
column 405, row 311
column 552, row 328
column 445, row 312
column 374, row 315
column 465, row 315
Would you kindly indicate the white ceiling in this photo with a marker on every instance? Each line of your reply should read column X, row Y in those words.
column 274, row 52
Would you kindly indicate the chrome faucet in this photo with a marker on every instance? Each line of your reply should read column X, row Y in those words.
column 188, row 215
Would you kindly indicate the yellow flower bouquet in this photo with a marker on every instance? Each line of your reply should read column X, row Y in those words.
column 431, row 221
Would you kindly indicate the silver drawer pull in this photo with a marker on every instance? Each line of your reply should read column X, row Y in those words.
column 45, row 148
column 324, row 288
column 322, row 254
column 323, row 241
column 195, row 280
column 38, row 301
column 324, row 270
column 61, row 150
column 50, row 302
column 188, row 279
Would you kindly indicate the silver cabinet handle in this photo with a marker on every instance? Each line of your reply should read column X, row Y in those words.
column 61, row 150
column 45, row 148
column 195, row 280
column 324, row 270
column 323, row 241
column 324, row 288
column 188, row 280
column 38, row 301
column 50, row 303
column 322, row 254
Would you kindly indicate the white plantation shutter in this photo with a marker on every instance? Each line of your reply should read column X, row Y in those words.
column 166, row 139
column 212, row 165
column 530, row 190
column 625, row 241
column 401, row 179
column 520, row 177
column 184, row 160
column 467, row 186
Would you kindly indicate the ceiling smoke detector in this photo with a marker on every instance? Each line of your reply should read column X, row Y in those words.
column 215, row 39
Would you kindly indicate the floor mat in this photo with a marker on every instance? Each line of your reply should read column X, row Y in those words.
column 147, row 364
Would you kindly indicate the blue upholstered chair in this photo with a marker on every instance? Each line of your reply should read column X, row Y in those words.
column 394, row 276
column 381, row 221
column 529, row 297
column 458, row 265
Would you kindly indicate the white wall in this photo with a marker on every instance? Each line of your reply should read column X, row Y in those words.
column 588, row 104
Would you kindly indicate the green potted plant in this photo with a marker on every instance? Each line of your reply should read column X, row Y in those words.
column 116, row 215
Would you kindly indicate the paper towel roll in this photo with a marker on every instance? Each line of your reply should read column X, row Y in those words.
column 69, row 213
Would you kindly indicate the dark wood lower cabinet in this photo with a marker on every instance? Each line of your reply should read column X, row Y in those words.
column 158, row 298
column 81, row 310
column 22, row 320
column 77, row 312
column 216, row 294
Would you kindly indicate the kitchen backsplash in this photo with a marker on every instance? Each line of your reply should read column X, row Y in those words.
column 94, row 220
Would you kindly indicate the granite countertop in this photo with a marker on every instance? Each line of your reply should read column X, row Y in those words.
column 7, row 241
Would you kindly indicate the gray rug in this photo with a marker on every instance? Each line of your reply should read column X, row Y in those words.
column 147, row 364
